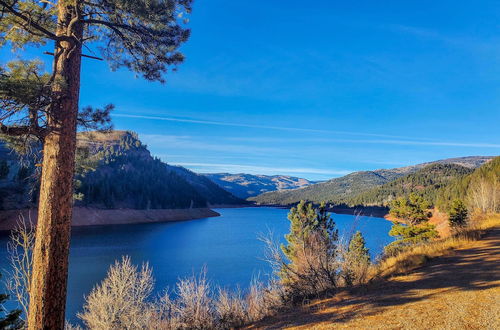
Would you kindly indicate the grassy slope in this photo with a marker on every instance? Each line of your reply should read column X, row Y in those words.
column 457, row 288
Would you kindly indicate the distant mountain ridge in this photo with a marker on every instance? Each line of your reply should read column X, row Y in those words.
column 341, row 190
column 248, row 185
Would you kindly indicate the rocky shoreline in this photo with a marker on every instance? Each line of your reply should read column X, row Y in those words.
column 83, row 216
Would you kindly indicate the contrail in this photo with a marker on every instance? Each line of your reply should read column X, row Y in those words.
column 220, row 123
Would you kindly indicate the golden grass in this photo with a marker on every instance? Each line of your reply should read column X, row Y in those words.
column 416, row 256
column 460, row 290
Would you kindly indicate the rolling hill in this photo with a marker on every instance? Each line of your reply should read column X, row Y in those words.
column 341, row 190
column 248, row 185
column 426, row 182
column 479, row 189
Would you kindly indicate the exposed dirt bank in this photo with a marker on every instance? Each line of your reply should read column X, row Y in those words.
column 438, row 219
column 230, row 206
column 83, row 216
column 369, row 211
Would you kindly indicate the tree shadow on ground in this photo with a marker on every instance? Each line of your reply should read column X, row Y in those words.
column 471, row 269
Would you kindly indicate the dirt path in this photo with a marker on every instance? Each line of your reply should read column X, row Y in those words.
column 458, row 291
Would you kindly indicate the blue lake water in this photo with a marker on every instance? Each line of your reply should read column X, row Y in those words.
column 228, row 246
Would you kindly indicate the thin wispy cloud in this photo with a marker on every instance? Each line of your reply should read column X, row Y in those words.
column 424, row 143
column 232, row 124
column 241, row 168
column 364, row 141
column 193, row 143
column 469, row 42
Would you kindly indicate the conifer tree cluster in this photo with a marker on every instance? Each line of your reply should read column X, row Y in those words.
column 357, row 259
column 458, row 214
column 426, row 182
column 415, row 229
column 479, row 190
column 122, row 174
column 412, row 209
column 305, row 222
column 310, row 266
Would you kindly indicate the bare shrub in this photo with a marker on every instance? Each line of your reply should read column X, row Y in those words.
column 20, row 248
column 120, row 300
column 231, row 309
column 163, row 314
column 194, row 305
column 264, row 299
column 484, row 194
column 314, row 270
column 69, row 326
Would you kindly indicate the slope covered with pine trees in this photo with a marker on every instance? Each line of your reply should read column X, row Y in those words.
column 344, row 190
column 479, row 189
column 114, row 170
column 426, row 182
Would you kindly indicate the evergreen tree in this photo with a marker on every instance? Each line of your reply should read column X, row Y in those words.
column 357, row 259
column 312, row 260
column 305, row 221
column 479, row 189
column 142, row 36
column 357, row 248
column 407, row 235
column 302, row 218
column 412, row 209
column 458, row 214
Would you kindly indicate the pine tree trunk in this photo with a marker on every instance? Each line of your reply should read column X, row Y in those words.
column 50, row 255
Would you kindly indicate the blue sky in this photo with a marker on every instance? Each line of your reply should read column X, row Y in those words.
column 318, row 89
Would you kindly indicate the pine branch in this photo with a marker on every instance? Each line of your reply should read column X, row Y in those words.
column 31, row 23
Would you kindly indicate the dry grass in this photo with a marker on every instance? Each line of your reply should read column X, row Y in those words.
column 458, row 290
column 416, row 256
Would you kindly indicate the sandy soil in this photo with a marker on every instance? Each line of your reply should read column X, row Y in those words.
column 83, row 216
column 457, row 291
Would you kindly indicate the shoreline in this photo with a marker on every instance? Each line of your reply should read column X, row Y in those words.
column 84, row 216
column 368, row 211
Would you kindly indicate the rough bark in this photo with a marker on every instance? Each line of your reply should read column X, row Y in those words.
column 50, row 255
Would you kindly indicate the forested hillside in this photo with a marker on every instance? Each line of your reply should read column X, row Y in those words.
column 211, row 191
column 426, row 182
column 479, row 189
column 248, row 185
column 336, row 190
column 344, row 189
column 16, row 184
column 115, row 170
